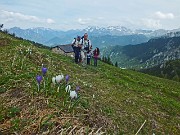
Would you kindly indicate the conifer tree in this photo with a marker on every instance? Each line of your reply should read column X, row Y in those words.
column 116, row 64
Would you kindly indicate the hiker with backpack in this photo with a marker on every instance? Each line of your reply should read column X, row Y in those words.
column 85, row 47
column 89, row 55
column 76, row 44
column 96, row 54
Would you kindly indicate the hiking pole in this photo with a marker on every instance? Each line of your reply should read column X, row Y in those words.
column 140, row 127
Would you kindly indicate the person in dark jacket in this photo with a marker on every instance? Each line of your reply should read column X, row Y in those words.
column 76, row 47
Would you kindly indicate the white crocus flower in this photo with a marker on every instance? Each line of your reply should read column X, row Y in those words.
column 54, row 80
column 68, row 88
column 59, row 78
column 73, row 94
column 30, row 51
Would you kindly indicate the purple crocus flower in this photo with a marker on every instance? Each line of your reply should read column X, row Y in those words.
column 44, row 70
column 67, row 78
column 77, row 88
column 39, row 79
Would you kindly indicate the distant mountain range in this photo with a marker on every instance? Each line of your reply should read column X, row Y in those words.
column 100, row 36
column 145, row 55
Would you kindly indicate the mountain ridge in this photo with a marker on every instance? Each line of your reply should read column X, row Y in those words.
column 46, row 35
column 145, row 55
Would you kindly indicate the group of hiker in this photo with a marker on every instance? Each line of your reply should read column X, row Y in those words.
column 83, row 50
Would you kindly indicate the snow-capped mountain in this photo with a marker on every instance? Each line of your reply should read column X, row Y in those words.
column 40, row 35
column 101, row 36
column 121, row 31
column 110, row 30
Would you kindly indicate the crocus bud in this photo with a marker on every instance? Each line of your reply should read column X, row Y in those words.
column 68, row 88
column 30, row 52
column 39, row 79
column 54, row 80
column 44, row 70
column 77, row 88
column 67, row 78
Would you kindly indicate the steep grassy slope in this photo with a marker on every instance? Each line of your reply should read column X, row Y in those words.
column 111, row 100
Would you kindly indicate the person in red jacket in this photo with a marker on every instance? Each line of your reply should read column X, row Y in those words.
column 96, row 53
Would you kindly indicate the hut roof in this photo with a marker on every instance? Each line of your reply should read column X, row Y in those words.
column 66, row 48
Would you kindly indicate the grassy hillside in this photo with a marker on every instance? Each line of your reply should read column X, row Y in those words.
column 110, row 100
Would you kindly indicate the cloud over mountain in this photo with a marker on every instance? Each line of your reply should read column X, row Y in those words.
column 161, row 15
column 84, row 21
column 151, row 23
column 9, row 16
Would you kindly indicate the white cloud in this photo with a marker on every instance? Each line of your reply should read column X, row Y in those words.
column 8, row 16
column 84, row 21
column 161, row 15
column 18, row 16
column 50, row 21
column 151, row 23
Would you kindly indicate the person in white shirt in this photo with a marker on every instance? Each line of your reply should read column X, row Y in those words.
column 85, row 47
column 76, row 47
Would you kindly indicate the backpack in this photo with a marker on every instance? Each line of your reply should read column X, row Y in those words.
column 74, row 42
column 87, row 47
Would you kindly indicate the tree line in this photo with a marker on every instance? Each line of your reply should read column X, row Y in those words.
column 108, row 61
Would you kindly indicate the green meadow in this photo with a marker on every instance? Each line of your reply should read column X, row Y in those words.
column 110, row 100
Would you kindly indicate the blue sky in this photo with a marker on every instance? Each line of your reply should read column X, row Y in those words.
column 76, row 14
